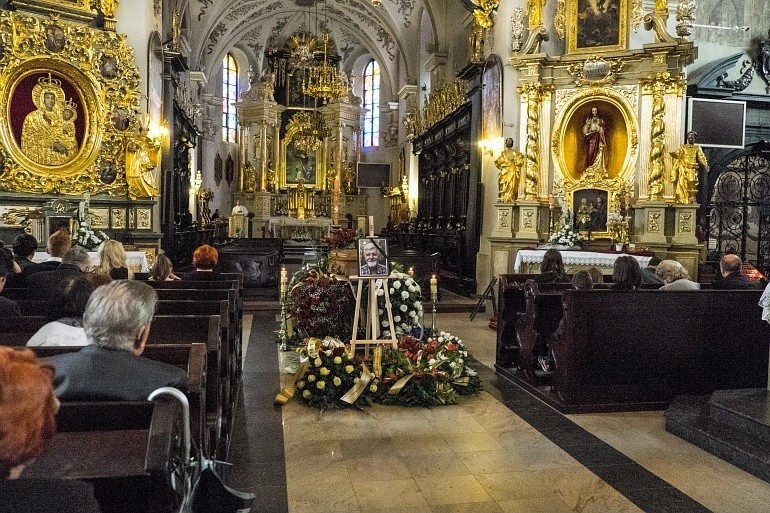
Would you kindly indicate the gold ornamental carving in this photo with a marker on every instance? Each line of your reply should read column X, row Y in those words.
column 73, row 88
column 118, row 218
column 482, row 12
column 442, row 101
column 657, row 135
column 535, row 94
column 596, row 71
column 144, row 218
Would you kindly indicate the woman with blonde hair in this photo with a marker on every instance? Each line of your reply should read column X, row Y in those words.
column 162, row 269
column 112, row 261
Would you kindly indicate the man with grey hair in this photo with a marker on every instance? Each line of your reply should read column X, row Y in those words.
column 73, row 263
column 117, row 324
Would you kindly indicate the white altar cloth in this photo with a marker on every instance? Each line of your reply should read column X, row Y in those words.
column 136, row 260
column 574, row 258
column 290, row 227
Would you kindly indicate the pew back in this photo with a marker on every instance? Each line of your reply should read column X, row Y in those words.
column 626, row 350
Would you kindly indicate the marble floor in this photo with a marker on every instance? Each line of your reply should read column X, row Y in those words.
column 500, row 451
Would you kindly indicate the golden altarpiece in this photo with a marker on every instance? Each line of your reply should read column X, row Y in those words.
column 596, row 127
column 70, row 127
column 299, row 150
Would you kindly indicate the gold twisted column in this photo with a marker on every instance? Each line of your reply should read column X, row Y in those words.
column 657, row 136
column 534, row 93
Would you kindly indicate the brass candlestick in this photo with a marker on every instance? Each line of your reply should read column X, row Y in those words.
column 434, row 300
column 282, row 332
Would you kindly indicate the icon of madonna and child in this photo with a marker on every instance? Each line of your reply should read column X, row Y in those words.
column 49, row 135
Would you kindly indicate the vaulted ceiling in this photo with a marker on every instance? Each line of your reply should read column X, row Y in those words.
column 390, row 32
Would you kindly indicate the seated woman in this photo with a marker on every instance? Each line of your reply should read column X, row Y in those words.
column 626, row 274
column 162, row 270
column 65, row 310
column 552, row 268
column 112, row 261
column 27, row 422
column 205, row 259
column 675, row 276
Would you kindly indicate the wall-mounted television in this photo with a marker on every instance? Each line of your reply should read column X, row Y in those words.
column 719, row 123
column 371, row 174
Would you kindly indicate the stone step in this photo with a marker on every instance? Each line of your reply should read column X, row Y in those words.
column 690, row 418
column 747, row 410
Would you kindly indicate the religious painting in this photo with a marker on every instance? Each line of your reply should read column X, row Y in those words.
column 373, row 257
column 108, row 66
column 491, row 99
column 300, row 166
column 597, row 25
column 120, row 119
column 47, row 118
column 54, row 38
column 229, row 170
column 107, row 173
column 217, row 169
column 590, row 209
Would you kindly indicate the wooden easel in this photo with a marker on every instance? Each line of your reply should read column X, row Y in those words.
column 373, row 328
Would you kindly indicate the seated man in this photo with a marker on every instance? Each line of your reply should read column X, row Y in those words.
column 732, row 278
column 74, row 263
column 117, row 324
column 58, row 244
column 24, row 247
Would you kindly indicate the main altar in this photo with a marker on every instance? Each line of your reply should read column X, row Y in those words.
column 299, row 141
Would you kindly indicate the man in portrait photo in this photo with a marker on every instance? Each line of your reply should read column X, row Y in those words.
column 371, row 260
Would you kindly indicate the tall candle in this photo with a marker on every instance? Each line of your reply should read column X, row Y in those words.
column 411, row 271
column 284, row 281
column 371, row 226
column 433, row 285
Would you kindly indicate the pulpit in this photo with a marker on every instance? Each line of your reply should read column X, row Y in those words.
column 237, row 227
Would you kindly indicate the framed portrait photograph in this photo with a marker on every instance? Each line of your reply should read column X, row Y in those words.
column 372, row 257
column 597, row 25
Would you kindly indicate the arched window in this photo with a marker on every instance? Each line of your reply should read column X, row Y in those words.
column 229, row 97
column 371, row 129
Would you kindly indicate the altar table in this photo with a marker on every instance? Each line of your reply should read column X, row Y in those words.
column 136, row 260
column 528, row 260
column 313, row 228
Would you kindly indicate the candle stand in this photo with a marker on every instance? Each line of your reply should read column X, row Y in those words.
column 282, row 332
column 434, row 299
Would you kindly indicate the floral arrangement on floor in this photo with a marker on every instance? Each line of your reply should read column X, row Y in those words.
column 319, row 304
column 85, row 236
column 618, row 226
column 405, row 300
column 566, row 235
column 429, row 372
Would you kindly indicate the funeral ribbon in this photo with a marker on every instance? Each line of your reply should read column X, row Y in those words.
column 352, row 395
column 288, row 392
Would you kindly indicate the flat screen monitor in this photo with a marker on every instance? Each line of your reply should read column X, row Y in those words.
column 372, row 174
column 719, row 123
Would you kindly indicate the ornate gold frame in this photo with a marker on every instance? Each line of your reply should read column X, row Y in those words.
column 617, row 182
column 76, row 58
column 575, row 18
column 320, row 164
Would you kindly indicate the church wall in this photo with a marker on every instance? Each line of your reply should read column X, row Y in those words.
column 136, row 19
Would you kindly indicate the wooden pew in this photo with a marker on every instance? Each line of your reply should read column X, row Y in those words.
column 638, row 350
column 540, row 321
column 137, row 468
column 511, row 306
column 16, row 331
column 185, row 329
column 110, row 415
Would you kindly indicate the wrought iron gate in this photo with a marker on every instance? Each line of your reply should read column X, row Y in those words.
column 739, row 212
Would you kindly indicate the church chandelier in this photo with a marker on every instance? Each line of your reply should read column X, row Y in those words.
column 324, row 80
column 302, row 47
column 309, row 130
